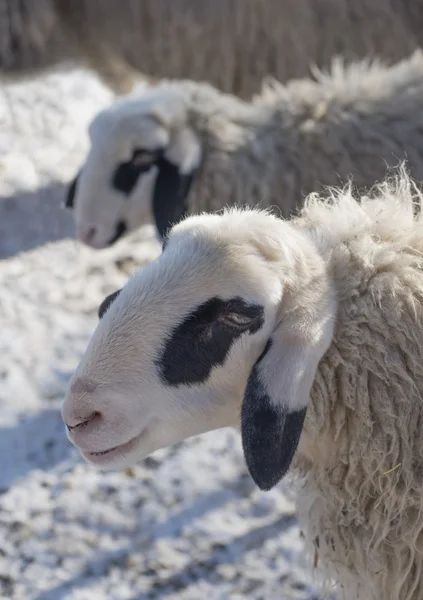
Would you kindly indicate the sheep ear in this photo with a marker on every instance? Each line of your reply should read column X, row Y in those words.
column 176, row 172
column 275, row 404
column 170, row 195
column 70, row 196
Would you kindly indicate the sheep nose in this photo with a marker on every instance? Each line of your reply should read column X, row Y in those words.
column 87, row 235
column 79, row 410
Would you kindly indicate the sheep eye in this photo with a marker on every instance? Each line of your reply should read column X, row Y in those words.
column 236, row 319
column 205, row 336
column 144, row 158
column 126, row 174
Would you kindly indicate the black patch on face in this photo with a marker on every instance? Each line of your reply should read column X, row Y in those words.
column 203, row 340
column 171, row 187
column 120, row 230
column 127, row 173
column 170, row 196
column 70, row 196
column 107, row 302
column 270, row 434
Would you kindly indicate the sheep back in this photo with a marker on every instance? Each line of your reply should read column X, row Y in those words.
column 237, row 43
column 354, row 122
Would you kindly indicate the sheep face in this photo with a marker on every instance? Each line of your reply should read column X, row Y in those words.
column 198, row 340
column 141, row 164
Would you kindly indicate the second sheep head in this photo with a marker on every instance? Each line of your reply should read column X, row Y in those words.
column 140, row 167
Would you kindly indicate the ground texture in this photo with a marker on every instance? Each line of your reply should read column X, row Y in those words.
column 185, row 524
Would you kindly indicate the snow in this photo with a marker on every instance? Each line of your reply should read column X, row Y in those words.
column 187, row 522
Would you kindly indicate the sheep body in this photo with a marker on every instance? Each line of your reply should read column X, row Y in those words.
column 354, row 122
column 237, row 43
column 348, row 270
column 358, row 267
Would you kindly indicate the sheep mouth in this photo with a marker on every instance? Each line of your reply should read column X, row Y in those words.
column 120, row 230
column 103, row 452
column 119, row 450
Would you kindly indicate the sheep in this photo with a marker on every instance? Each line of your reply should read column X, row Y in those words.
column 305, row 334
column 184, row 147
column 231, row 44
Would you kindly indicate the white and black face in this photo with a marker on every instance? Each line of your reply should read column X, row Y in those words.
column 184, row 345
column 137, row 170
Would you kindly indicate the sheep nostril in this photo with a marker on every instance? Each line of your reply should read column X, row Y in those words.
column 83, row 422
column 87, row 235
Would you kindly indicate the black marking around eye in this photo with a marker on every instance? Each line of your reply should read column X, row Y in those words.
column 121, row 229
column 202, row 341
column 127, row 173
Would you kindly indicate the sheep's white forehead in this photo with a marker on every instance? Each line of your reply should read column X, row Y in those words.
column 140, row 115
column 121, row 136
column 196, row 265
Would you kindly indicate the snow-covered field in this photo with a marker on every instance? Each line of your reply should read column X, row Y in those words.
column 187, row 523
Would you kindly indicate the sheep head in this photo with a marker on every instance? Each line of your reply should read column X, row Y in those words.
column 225, row 328
column 141, row 163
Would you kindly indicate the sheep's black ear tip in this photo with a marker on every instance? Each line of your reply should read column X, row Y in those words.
column 264, row 470
column 265, row 486
column 266, row 481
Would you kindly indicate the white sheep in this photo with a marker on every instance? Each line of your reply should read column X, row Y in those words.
column 184, row 147
column 248, row 318
column 232, row 44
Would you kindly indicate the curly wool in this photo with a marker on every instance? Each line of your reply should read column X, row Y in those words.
column 353, row 122
column 361, row 454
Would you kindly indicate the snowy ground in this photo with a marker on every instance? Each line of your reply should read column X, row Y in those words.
column 185, row 524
